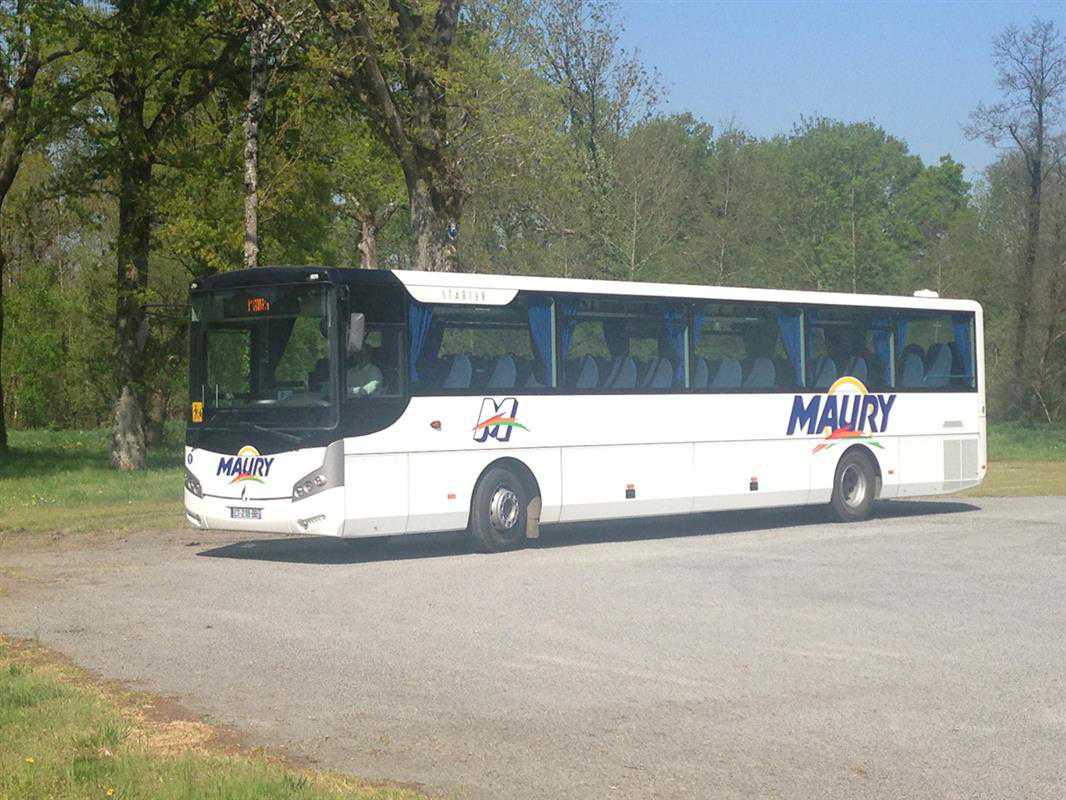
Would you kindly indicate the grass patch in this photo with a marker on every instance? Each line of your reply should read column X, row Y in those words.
column 1022, row 479
column 61, row 480
column 1026, row 441
column 62, row 735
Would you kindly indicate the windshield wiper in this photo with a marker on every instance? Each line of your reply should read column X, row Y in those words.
column 244, row 424
column 255, row 426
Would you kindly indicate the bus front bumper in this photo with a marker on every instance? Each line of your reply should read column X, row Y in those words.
column 319, row 515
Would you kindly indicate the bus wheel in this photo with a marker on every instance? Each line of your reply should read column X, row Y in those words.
column 498, row 511
column 853, row 487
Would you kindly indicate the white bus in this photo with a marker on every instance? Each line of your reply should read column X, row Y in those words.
column 347, row 402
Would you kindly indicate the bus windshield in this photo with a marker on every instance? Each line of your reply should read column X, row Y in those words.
column 267, row 352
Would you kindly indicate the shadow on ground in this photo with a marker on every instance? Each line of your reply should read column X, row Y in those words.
column 331, row 550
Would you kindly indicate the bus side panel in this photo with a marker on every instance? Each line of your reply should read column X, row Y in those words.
column 939, row 464
column 375, row 493
column 626, row 480
column 442, row 484
column 733, row 475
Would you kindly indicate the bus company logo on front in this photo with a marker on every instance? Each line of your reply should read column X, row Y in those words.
column 497, row 420
column 847, row 411
column 247, row 465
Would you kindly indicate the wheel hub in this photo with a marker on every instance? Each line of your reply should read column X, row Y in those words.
column 853, row 486
column 503, row 509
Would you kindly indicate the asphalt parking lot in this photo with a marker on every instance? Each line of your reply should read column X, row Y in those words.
column 765, row 654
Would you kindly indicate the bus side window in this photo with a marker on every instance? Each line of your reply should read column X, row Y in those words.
column 484, row 349
column 936, row 351
column 621, row 345
column 742, row 347
column 847, row 342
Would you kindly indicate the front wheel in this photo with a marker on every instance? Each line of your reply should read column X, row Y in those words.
column 854, row 487
column 498, row 512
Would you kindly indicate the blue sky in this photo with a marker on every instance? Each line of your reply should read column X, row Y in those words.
column 917, row 69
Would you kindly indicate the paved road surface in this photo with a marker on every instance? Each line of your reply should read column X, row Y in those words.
column 922, row 654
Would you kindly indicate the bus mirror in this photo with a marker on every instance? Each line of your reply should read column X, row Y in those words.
column 356, row 332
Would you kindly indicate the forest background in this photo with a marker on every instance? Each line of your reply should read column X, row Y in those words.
column 145, row 143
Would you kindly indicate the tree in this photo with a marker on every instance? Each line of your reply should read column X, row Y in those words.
column 157, row 63
column 35, row 97
column 394, row 61
column 369, row 182
column 1031, row 67
column 270, row 42
column 604, row 90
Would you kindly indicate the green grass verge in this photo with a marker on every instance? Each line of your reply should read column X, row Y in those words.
column 1022, row 479
column 1014, row 441
column 62, row 735
column 60, row 480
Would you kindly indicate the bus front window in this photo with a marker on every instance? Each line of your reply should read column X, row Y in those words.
column 267, row 351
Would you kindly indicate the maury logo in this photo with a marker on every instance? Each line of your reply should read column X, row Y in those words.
column 497, row 420
column 247, row 465
column 846, row 412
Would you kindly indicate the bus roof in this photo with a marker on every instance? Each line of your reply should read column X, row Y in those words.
column 491, row 289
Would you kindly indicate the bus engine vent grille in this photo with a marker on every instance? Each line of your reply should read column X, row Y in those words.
column 960, row 460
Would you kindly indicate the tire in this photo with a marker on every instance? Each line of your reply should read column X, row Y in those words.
column 854, row 487
column 498, row 511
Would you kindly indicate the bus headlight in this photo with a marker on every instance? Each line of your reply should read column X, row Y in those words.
column 192, row 484
column 328, row 476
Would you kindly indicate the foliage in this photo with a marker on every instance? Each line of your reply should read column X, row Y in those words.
column 556, row 159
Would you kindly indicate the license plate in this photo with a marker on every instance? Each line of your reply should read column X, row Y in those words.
column 242, row 512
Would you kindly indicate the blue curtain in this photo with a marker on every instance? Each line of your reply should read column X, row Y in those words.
column 963, row 343
column 419, row 318
column 882, row 331
column 901, row 335
column 617, row 335
column 789, row 324
column 810, row 319
column 673, row 339
column 567, row 310
column 540, row 331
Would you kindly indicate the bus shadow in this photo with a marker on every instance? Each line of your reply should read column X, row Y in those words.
column 328, row 550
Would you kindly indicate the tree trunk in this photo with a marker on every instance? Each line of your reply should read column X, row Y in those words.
column 252, row 115
column 3, row 424
column 131, row 322
column 1026, row 298
column 434, row 222
column 155, row 425
column 368, row 243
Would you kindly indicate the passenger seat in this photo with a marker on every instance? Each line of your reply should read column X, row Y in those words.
column 859, row 369
column 583, row 373
column 459, row 373
column 700, row 374
column 911, row 368
column 825, row 373
column 938, row 366
column 727, row 375
column 663, row 376
column 503, row 374
column 626, row 378
column 763, row 375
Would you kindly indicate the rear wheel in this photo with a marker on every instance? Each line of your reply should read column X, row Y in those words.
column 498, row 511
column 854, row 487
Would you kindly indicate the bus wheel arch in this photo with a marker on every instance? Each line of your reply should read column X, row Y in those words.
column 530, row 488
column 856, row 484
